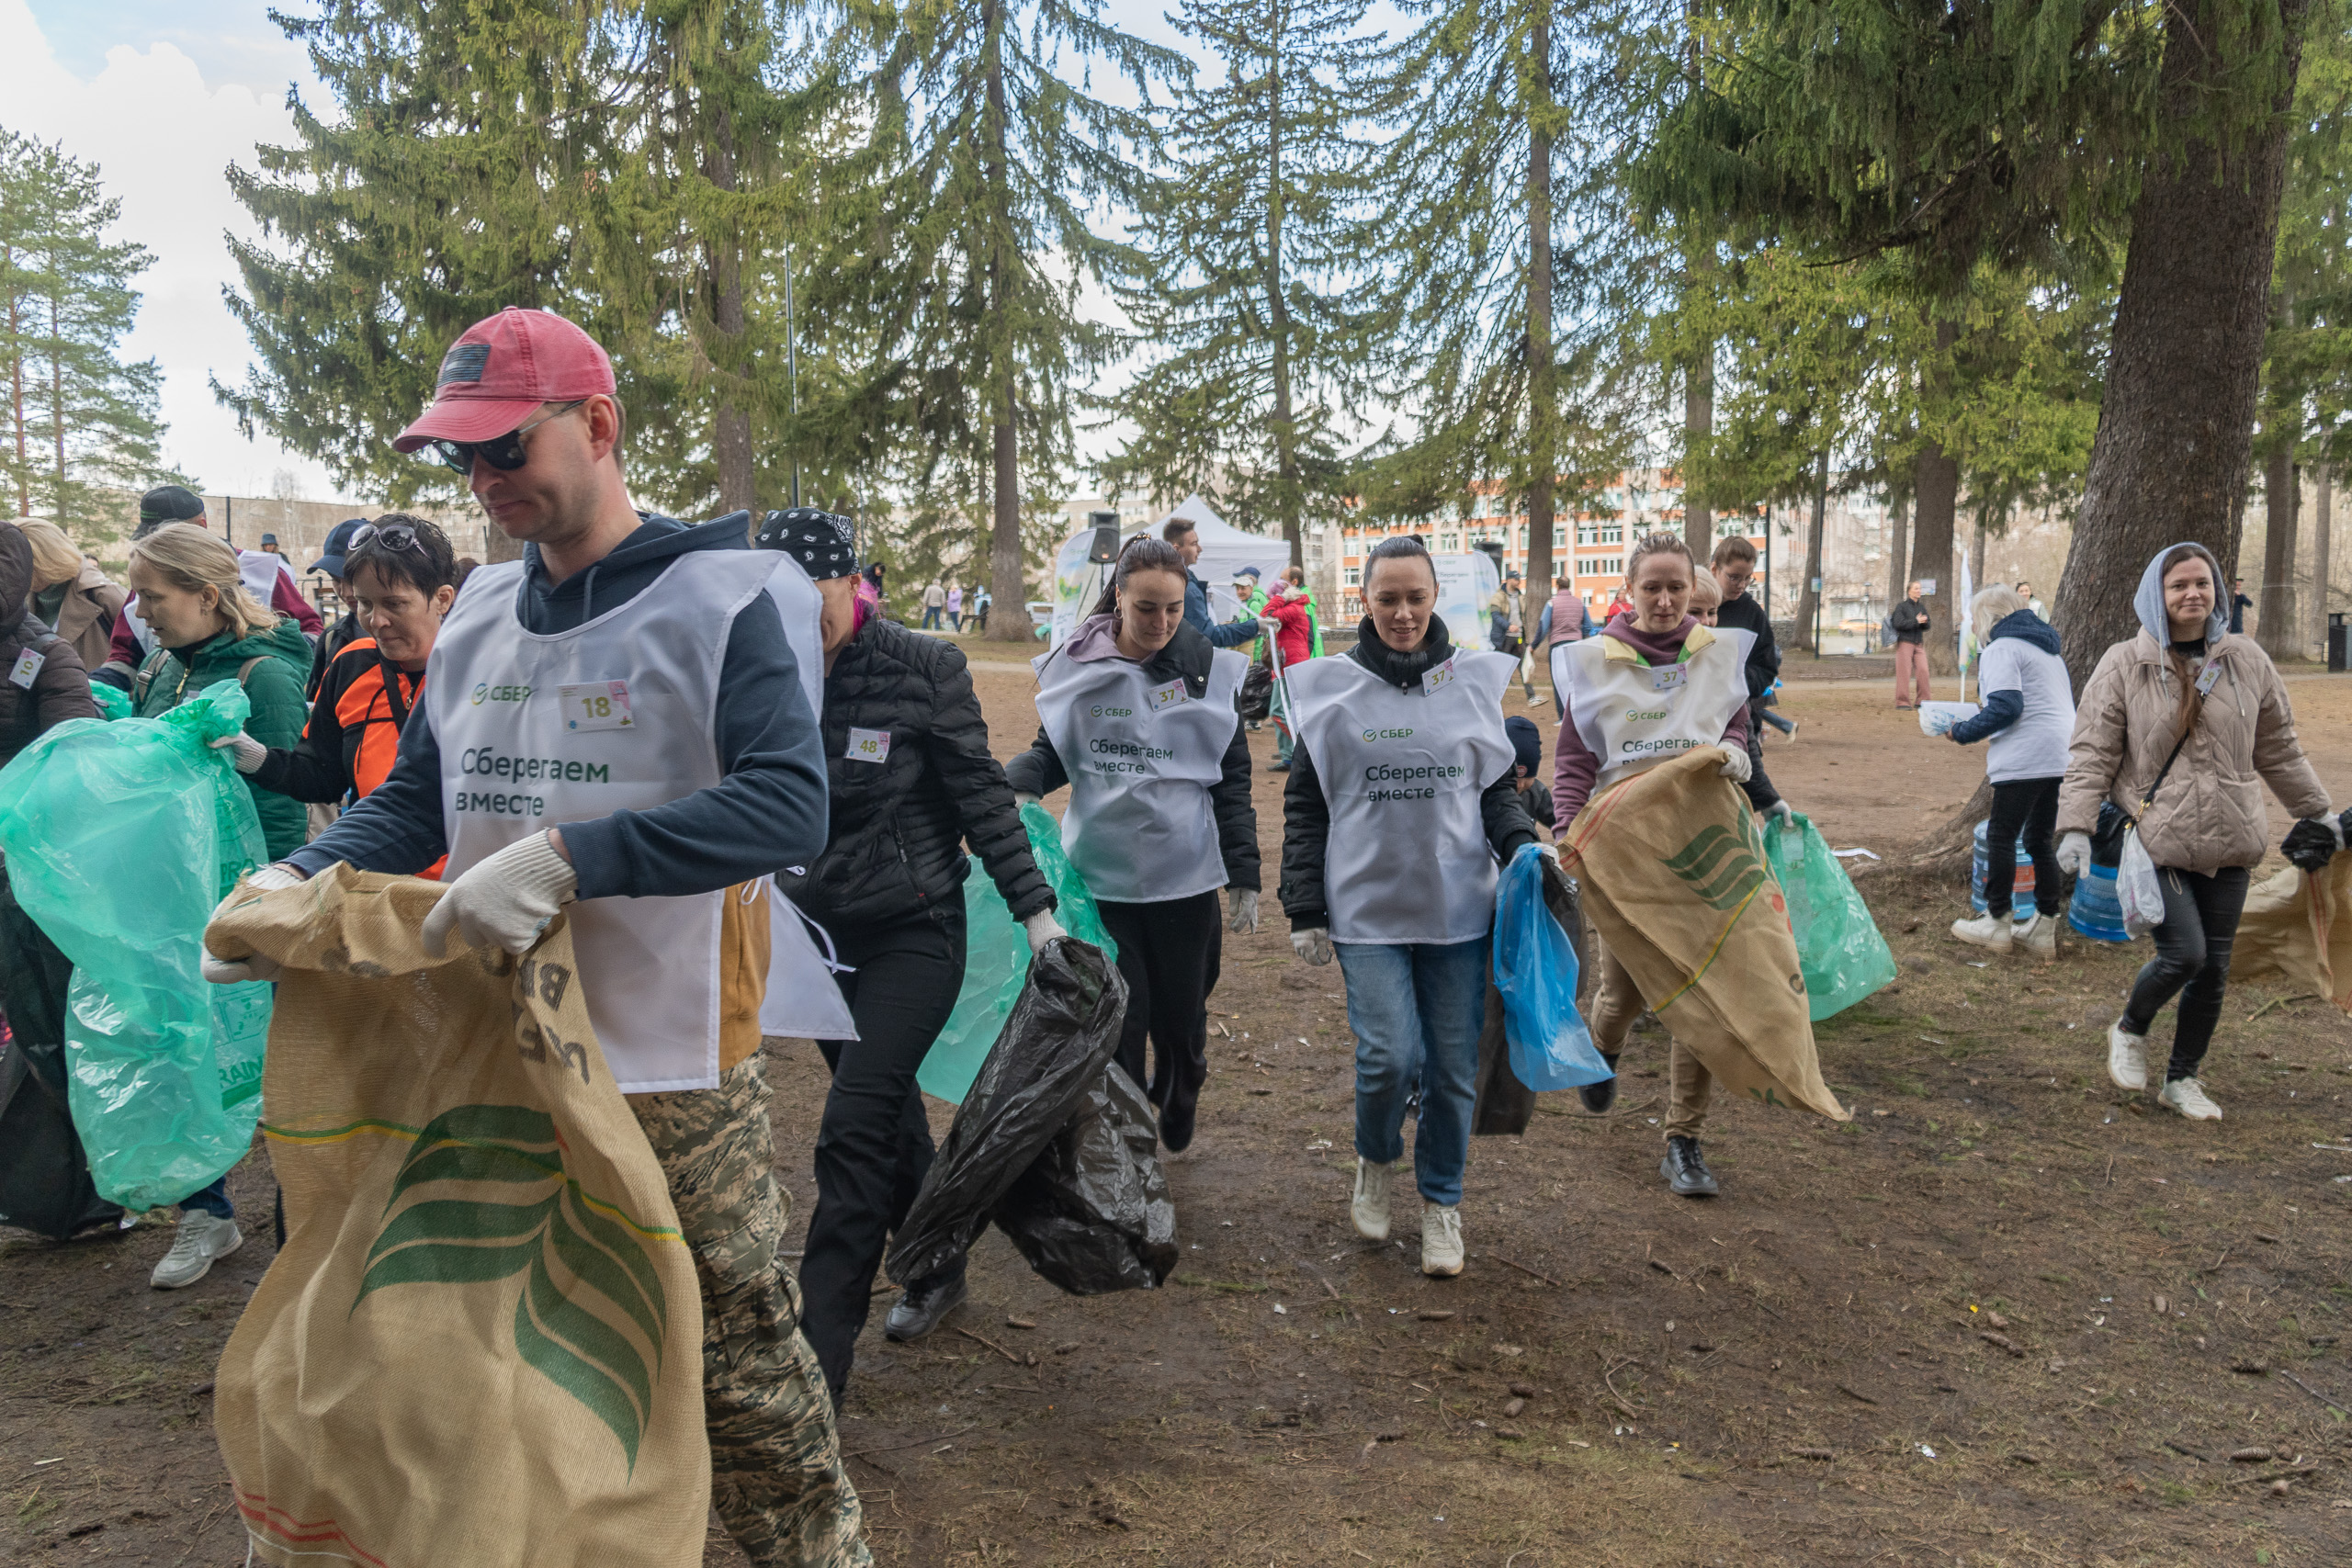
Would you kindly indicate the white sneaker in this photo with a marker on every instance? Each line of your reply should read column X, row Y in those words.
column 201, row 1241
column 1440, row 1240
column 2188, row 1097
column 1989, row 931
column 2040, row 935
column 2127, row 1058
column 1370, row 1209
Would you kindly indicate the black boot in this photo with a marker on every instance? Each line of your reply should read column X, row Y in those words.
column 1685, row 1169
column 1598, row 1097
column 923, row 1304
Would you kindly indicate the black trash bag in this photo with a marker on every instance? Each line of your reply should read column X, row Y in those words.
column 44, row 1176
column 1092, row 1213
column 2107, row 837
column 1052, row 1050
column 1256, row 702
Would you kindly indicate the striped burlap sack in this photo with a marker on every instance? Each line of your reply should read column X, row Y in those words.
column 483, row 1342
column 2297, row 933
column 1676, row 879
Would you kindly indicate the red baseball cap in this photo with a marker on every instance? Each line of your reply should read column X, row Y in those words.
column 498, row 374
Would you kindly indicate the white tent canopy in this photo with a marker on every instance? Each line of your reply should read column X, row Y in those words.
column 1224, row 550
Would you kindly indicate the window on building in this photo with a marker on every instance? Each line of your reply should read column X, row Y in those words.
column 1352, row 577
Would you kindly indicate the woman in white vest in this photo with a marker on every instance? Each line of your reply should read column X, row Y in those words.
column 1138, row 717
column 1398, row 805
column 1654, row 684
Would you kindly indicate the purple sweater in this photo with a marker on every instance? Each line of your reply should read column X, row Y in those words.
column 1574, row 767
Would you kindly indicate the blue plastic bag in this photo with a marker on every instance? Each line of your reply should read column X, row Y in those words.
column 1535, row 970
column 121, row 838
column 1839, row 951
column 996, row 957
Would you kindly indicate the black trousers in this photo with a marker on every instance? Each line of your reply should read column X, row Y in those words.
column 2027, row 806
column 874, row 1145
column 1169, row 954
column 1759, row 787
column 2192, row 961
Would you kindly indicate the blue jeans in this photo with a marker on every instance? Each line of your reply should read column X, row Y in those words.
column 212, row 1201
column 1417, row 1009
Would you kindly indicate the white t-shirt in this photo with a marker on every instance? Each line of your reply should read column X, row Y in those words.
column 2035, row 746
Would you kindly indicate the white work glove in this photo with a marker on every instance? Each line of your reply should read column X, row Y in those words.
column 1042, row 928
column 1549, row 852
column 1735, row 766
column 1023, row 798
column 1271, row 626
column 2075, row 855
column 1312, row 943
column 1778, row 811
column 254, row 966
column 1244, row 905
column 506, row 901
column 246, row 752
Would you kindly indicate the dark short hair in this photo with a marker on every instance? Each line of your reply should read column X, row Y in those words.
column 1176, row 528
column 430, row 564
column 1142, row 553
column 1398, row 547
column 1732, row 547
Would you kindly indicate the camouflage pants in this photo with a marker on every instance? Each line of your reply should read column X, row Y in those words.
column 776, row 1474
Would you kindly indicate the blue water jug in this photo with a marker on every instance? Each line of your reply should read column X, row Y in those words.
column 2095, row 912
column 2020, row 895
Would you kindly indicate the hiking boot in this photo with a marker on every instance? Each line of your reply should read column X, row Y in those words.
column 1987, row 931
column 1370, row 1209
column 1598, row 1097
column 201, row 1241
column 2127, row 1058
column 1440, row 1240
column 2039, row 936
column 1685, row 1169
column 2188, row 1097
column 922, row 1306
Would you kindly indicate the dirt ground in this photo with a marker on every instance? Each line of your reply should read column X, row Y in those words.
column 2006, row 1317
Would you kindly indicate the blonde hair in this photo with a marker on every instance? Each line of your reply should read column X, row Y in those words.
column 193, row 560
column 1706, row 594
column 55, row 560
column 1985, row 611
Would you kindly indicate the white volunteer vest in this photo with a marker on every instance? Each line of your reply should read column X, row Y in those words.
column 1407, row 859
column 1632, row 714
column 536, row 729
column 1142, row 756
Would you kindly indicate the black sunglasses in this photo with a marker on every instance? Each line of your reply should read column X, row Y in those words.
column 504, row 453
column 390, row 537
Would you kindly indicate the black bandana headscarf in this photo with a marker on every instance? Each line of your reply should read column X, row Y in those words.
column 824, row 543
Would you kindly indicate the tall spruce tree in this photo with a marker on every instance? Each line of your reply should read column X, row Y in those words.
column 2027, row 133
column 1251, row 257
column 80, row 418
column 1487, row 167
column 969, row 272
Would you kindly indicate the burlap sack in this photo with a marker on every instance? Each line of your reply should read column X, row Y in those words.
column 2296, row 931
column 1676, row 879
column 482, row 1341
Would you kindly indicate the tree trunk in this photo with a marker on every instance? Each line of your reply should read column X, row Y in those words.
column 2274, row 595
column 1935, row 489
column 1698, row 431
column 1975, row 570
column 1809, row 596
column 1008, row 582
column 16, row 389
column 1898, row 551
column 2320, row 499
column 1278, row 315
column 1542, row 391
column 2175, row 421
column 57, row 403
column 730, row 426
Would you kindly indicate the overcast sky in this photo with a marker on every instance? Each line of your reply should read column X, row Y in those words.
column 164, row 95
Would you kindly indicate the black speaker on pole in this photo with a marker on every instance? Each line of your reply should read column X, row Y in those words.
column 1106, row 538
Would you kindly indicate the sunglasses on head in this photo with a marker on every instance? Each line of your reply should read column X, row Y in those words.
column 390, row 537
column 504, row 453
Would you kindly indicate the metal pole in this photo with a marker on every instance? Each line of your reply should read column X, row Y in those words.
column 792, row 371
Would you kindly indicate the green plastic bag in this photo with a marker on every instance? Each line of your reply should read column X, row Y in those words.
column 113, row 701
column 120, row 838
column 1839, row 949
column 996, row 958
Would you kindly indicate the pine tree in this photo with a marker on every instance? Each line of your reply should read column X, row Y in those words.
column 1248, row 237
column 967, row 274
column 1483, row 153
column 80, row 419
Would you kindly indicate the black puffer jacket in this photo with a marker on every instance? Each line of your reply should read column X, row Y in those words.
column 1306, row 816
column 896, row 845
column 1039, row 770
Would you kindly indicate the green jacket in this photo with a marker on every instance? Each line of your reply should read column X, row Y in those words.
column 275, row 689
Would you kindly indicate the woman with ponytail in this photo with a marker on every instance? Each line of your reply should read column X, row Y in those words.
column 1139, row 718
column 2181, row 725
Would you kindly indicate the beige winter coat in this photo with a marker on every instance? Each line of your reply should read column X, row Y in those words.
column 2207, row 813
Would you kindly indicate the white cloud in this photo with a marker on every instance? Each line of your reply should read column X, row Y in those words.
column 164, row 139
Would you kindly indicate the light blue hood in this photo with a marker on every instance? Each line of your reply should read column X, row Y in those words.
column 2148, row 602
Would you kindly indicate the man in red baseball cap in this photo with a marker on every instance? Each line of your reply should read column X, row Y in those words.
column 619, row 723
